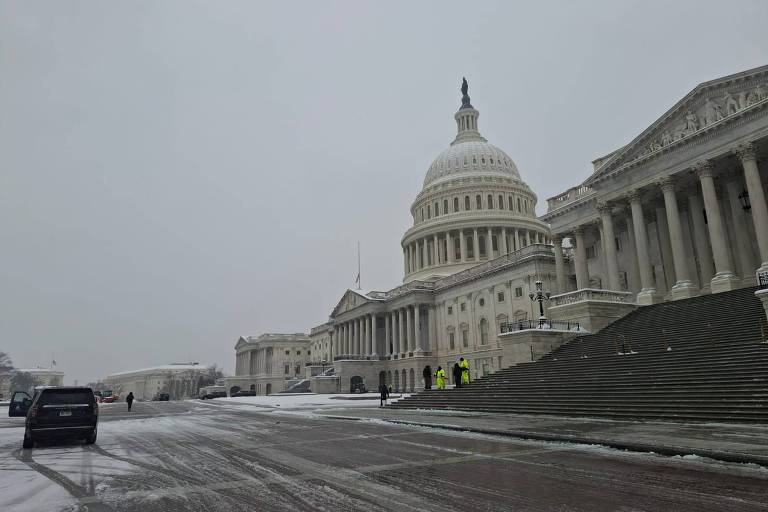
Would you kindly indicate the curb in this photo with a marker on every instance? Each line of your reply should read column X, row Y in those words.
column 669, row 451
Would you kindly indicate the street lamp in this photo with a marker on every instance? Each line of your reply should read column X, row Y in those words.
column 539, row 296
column 744, row 200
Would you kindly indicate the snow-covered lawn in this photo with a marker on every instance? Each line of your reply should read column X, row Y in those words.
column 304, row 404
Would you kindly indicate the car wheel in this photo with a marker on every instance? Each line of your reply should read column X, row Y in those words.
column 91, row 437
column 29, row 441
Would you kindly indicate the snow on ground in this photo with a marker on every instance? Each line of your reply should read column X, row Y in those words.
column 299, row 404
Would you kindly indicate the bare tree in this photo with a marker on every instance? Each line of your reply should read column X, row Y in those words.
column 5, row 362
column 24, row 381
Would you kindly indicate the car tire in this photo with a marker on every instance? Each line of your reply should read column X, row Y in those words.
column 29, row 441
column 91, row 437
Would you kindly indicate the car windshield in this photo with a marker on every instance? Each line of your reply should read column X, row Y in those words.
column 66, row 396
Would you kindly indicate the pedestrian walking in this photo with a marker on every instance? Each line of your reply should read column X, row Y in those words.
column 383, row 395
column 427, row 373
column 456, row 375
column 129, row 400
column 440, row 375
column 464, row 364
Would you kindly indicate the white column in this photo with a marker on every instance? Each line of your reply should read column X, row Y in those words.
column 582, row 273
column 700, row 238
column 516, row 240
column 665, row 247
column 489, row 244
column 648, row 293
column 609, row 245
column 417, row 343
column 476, row 245
column 463, row 246
column 448, row 247
column 724, row 279
column 562, row 284
column 527, row 237
column 746, row 154
column 424, row 260
column 406, row 347
column 743, row 254
column 504, row 248
column 387, row 334
column 683, row 287
column 373, row 348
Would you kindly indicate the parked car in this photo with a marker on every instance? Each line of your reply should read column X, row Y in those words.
column 161, row 397
column 57, row 413
column 208, row 392
column 107, row 397
column 245, row 392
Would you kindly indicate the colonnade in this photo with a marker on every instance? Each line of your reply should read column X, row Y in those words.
column 402, row 334
column 713, row 255
column 442, row 248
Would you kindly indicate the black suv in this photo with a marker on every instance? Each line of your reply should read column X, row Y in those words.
column 57, row 412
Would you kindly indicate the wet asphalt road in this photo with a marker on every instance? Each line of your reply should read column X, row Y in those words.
column 192, row 456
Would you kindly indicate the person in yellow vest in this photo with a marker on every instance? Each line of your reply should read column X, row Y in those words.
column 464, row 365
column 440, row 376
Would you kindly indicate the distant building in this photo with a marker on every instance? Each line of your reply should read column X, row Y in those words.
column 179, row 380
column 269, row 363
column 42, row 377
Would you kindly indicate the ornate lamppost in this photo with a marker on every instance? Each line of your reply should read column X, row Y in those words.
column 539, row 295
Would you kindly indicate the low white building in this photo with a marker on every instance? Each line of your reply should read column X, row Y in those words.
column 269, row 363
column 179, row 380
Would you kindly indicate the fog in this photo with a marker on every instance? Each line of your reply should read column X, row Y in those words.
column 176, row 174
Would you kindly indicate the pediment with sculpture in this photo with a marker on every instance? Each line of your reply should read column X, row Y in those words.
column 709, row 105
column 352, row 299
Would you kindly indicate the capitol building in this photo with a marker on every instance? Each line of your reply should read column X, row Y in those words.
column 678, row 212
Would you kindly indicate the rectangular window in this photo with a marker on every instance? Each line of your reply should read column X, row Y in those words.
column 500, row 296
column 450, row 310
column 519, row 291
column 298, row 352
column 465, row 338
column 287, row 369
column 451, row 341
column 463, row 306
column 298, row 369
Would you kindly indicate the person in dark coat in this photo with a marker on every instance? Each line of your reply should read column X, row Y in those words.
column 456, row 375
column 129, row 400
column 427, row 373
column 383, row 394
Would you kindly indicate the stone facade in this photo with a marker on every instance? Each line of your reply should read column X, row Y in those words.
column 680, row 210
column 178, row 380
column 269, row 363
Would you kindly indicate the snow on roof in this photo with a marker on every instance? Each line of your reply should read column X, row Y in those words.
column 164, row 368
column 38, row 370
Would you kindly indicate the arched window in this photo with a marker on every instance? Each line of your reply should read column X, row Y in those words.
column 429, row 212
column 519, row 210
column 466, row 203
column 511, row 204
column 437, row 209
column 526, row 206
column 478, row 202
column 501, row 202
column 445, row 206
column 490, row 202
column 483, row 331
column 455, row 204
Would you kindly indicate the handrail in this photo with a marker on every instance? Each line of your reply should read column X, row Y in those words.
column 542, row 323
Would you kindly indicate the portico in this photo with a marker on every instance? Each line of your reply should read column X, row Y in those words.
column 679, row 211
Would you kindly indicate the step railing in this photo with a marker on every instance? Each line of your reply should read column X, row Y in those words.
column 542, row 323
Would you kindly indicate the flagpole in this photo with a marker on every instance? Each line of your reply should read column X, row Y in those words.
column 359, row 278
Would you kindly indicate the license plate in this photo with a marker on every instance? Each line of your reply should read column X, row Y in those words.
column 65, row 413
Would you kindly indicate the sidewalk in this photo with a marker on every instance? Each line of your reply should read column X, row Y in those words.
column 737, row 442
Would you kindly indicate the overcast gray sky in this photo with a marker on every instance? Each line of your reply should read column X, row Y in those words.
column 176, row 174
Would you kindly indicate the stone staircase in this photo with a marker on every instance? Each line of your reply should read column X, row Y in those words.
column 700, row 359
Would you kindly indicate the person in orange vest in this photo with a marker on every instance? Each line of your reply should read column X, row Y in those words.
column 440, row 375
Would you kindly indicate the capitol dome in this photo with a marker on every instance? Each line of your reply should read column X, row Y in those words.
column 468, row 158
column 473, row 207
